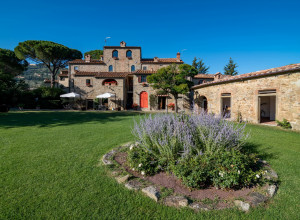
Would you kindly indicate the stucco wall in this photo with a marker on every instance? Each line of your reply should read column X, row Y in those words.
column 244, row 97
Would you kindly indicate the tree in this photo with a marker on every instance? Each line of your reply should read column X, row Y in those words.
column 230, row 68
column 173, row 80
column 95, row 54
column 53, row 55
column 10, row 66
column 200, row 66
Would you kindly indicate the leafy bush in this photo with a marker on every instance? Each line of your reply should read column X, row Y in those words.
column 284, row 123
column 201, row 150
column 228, row 169
column 142, row 161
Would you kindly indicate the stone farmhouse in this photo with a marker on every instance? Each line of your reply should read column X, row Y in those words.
column 121, row 71
column 257, row 97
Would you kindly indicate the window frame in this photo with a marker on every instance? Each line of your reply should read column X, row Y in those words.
column 132, row 66
column 143, row 77
column 113, row 54
column 129, row 57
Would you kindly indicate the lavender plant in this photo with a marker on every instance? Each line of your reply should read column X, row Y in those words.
column 178, row 135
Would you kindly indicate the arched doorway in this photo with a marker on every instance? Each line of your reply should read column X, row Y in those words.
column 144, row 99
column 202, row 103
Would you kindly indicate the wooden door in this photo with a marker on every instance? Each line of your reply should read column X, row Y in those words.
column 144, row 100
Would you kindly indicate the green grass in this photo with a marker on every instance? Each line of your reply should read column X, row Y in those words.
column 48, row 170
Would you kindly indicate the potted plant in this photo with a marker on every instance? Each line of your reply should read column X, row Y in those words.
column 171, row 106
column 135, row 106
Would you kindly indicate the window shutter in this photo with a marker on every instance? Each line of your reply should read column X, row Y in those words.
column 139, row 78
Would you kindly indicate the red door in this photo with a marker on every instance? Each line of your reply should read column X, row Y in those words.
column 144, row 100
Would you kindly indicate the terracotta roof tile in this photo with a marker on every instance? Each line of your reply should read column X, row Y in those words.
column 272, row 71
column 161, row 60
column 204, row 76
column 80, row 61
column 144, row 72
column 103, row 74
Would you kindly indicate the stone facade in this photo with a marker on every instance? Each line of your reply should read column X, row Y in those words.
column 273, row 95
column 124, row 65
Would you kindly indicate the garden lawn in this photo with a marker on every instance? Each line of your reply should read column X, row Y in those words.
column 49, row 168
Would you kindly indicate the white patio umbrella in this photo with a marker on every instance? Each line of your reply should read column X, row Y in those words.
column 70, row 95
column 106, row 95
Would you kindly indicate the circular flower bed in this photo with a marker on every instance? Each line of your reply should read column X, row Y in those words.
column 195, row 153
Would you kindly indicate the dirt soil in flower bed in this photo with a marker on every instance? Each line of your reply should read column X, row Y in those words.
column 170, row 181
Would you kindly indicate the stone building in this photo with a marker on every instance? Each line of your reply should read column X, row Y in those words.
column 257, row 97
column 123, row 72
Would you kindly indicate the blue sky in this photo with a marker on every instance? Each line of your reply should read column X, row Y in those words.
column 256, row 34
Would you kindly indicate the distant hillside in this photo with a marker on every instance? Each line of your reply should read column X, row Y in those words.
column 35, row 75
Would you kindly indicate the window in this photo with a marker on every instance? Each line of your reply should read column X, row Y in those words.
column 109, row 82
column 129, row 54
column 110, row 68
column 115, row 54
column 143, row 79
column 144, row 68
column 88, row 82
column 75, row 67
column 200, row 81
column 132, row 68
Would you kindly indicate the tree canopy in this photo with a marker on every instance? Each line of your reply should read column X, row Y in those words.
column 173, row 80
column 95, row 54
column 200, row 66
column 10, row 66
column 230, row 68
column 53, row 55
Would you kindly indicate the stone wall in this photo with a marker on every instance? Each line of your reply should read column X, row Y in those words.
column 96, row 88
column 245, row 97
column 122, row 64
column 154, row 66
column 183, row 102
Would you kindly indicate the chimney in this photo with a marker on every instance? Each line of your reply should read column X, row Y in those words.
column 123, row 44
column 87, row 58
column 217, row 76
column 178, row 56
column 155, row 59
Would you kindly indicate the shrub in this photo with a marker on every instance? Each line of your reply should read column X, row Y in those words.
column 284, row 123
column 142, row 161
column 193, row 171
column 228, row 169
column 201, row 150
column 175, row 135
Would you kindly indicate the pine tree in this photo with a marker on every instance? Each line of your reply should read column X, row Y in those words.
column 230, row 68
column 200, row 66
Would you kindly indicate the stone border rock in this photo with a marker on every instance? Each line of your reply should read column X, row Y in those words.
column 255, row 198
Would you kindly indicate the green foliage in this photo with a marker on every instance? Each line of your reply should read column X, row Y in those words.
column 230, row 68
column 142, row 161
column 10, row 66
column 53, row 55
column 224, row 169
column 173, row 80
column 284, row 123
column 200, row 66
column 192, row 171
column 153, row 101
column 95, row 54
column 44, row 97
